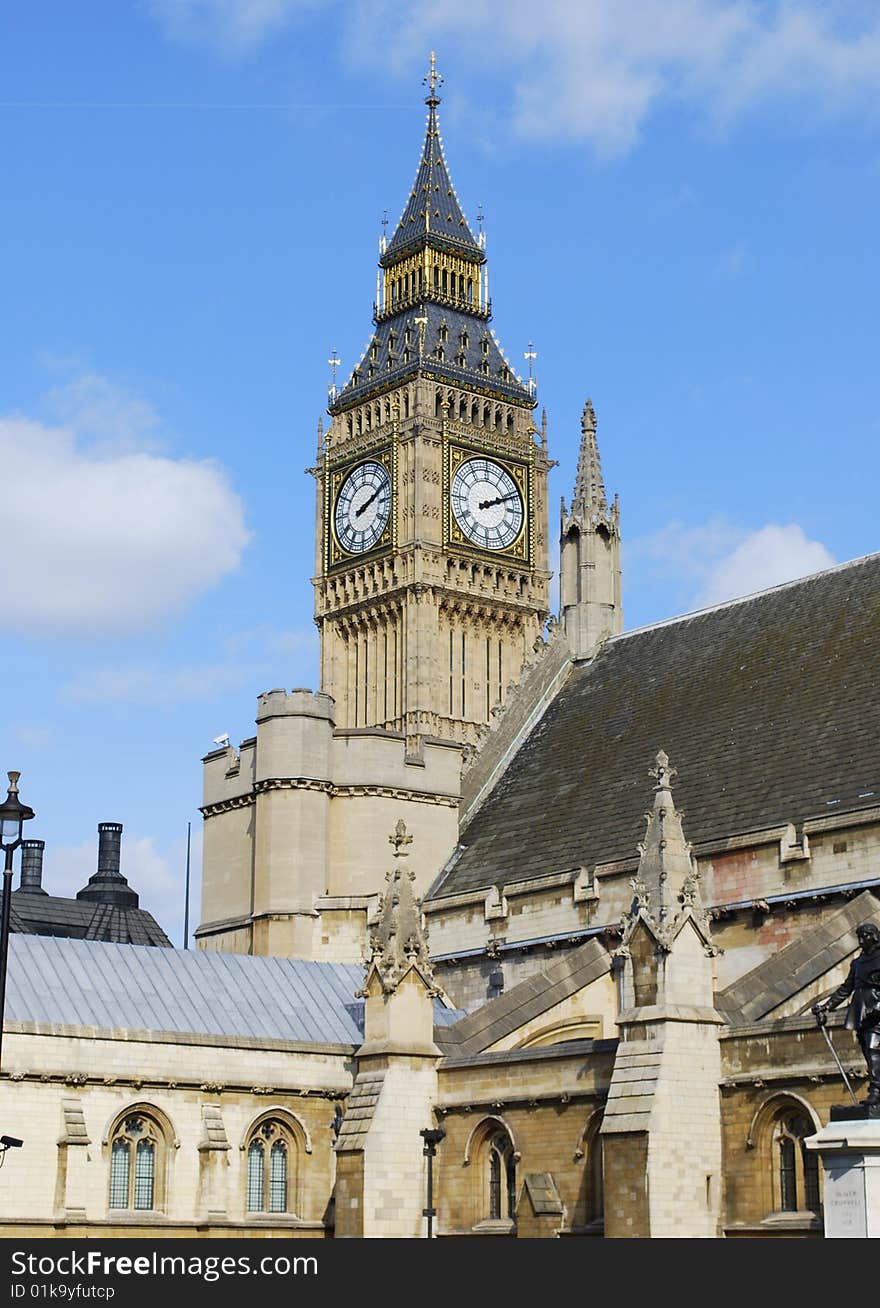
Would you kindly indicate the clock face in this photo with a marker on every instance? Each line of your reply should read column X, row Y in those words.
column 363, row 507
column 487, row 504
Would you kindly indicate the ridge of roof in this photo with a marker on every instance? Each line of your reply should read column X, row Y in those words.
column 743, row 599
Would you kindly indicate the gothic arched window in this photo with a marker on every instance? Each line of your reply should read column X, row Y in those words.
column 590, row 1205
column 796, row 1168
column 137, row 1162
column 497, row 1174
column 271, row 1159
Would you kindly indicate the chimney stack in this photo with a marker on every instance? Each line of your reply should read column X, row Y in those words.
column 108, row 885
column 32, row 867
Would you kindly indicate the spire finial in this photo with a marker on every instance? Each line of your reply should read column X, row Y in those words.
column 432, row 81
column 334, row 362
column 400, row 840
column 663, row 772
column 530, row 356
column 589, row 488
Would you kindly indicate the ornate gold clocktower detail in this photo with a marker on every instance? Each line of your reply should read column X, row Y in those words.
column 431, row 561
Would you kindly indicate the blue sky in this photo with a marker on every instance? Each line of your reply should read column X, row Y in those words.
column 681, row 213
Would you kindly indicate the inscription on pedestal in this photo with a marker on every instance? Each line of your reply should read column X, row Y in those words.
column 846, row 1209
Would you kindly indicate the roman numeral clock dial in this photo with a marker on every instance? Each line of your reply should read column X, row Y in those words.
column 363, row 507
column 487, row 504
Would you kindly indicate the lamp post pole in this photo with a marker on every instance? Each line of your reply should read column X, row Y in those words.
column 13, row 815
column 431, row 1137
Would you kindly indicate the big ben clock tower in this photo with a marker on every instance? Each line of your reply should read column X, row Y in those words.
column 431, row 562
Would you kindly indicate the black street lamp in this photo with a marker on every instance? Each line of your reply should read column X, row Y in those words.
column 13, row 815
column 432, row 1137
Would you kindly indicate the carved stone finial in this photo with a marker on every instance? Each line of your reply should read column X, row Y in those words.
column 399, row 937
column 662, row 771
column 400, row 840
column 667, row 884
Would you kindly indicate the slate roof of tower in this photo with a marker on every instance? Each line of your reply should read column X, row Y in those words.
column 432, row 210
column 767, row 706
column 82, row 919
column 86, row 983
column 470, row 373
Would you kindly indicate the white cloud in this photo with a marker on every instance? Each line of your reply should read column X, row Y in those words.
column 593, row 71
column 33, row 737
column 733, row 263
column 234, row 26
column 113, row 417
column 719, row 560
column 101, row 534
column 252, row 658
column 765, row 558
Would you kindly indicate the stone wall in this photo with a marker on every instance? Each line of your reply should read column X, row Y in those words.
column 64, row 1089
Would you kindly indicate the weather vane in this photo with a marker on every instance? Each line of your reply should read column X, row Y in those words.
column 530, row 356
column 433, row 79
column 334, row 362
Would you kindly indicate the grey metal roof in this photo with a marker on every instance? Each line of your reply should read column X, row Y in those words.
column 92, row 983
column 135, row 987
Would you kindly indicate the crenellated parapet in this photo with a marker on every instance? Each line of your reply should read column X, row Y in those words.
column 296, row 824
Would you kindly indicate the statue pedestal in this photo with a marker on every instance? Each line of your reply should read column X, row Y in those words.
column 849, row 1147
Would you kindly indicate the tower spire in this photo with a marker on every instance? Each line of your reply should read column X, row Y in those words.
column 589, row 546
column 589, row 486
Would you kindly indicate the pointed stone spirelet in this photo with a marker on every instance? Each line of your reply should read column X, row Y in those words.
column 667, row 882
column 589, row 486
column 399, row 938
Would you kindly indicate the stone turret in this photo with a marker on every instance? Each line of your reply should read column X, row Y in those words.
column 380, row 1178
column 661, row 1132
column 589, row 553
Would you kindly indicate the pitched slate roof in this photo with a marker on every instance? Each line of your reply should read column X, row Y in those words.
column 525, row 1001
column 83, row 919
column 432, row 212
column 85, row 983
column 478, row 365
column 773, row 982
column 768, row 707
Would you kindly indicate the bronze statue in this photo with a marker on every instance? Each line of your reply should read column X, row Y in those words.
column 862, row 989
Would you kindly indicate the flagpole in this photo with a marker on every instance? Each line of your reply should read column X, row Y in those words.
column 186, row 909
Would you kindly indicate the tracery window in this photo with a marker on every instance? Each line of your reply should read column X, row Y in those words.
column 499, row 1166
column 137, row 1159
column 796, row 1168
column 271, row 1157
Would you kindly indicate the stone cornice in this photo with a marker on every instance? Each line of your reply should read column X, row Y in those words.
column 334, row 791
column 77, row 1080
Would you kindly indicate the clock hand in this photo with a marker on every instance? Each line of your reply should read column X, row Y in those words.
column 490, row 504
column 366, row 504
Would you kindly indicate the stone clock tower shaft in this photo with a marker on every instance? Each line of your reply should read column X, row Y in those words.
column 431, row 562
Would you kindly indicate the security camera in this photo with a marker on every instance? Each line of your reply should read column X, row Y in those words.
column 10, row 1142
column 222, row 740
